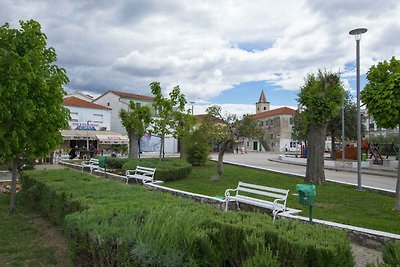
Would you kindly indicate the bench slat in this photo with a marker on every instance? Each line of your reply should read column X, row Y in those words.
column 259, row 192
column 277, row 190
column 259, row 202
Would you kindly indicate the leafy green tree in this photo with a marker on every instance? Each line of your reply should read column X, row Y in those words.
column 31, row 96
column 381, row 95
column 168, row 111
column 299, row 127
column 321, row 98
column 136, row 121
column 198, row 146
column 225, row 131
column 350, row 123
column 184, row 123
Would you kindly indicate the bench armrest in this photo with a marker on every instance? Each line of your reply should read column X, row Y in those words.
column 227, row 192
column 280, row 199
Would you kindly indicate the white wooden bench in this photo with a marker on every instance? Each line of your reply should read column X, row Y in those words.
column 91, row 164
column 251, row 191
column 141, row 173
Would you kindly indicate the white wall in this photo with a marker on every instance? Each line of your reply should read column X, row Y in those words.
column 111, row 100
column 98, row 118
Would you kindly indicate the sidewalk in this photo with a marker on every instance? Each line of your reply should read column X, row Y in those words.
column 377, row 178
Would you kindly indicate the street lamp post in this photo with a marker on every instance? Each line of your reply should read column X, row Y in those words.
column 343, row 137
column 87, row 135
column 192, row 102
column 357, row 34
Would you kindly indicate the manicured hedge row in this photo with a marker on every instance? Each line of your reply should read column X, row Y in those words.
column 168, row 169
column 128, row 225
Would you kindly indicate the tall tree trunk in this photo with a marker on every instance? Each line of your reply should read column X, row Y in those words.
column 315, row 159
column 398, row 178
column 333, row 146
column 220, row 163
column 133, row 144
column 161, row 155
column 14, row 185
column 182, row 148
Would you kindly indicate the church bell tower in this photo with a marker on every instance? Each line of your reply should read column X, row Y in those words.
column 262, row 105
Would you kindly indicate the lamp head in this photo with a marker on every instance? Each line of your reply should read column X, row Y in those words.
column 357, row 33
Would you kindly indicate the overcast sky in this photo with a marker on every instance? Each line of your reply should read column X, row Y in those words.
column 218, row 51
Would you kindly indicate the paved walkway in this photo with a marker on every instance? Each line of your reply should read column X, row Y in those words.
column 377, row 177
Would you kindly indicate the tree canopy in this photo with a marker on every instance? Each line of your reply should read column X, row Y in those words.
column 169, row 112
column 31, row 96
column 226, row 130
column 381, row 95
column 320, row 98
column 136, row 121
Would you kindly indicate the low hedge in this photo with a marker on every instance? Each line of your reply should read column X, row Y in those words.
column 390, row 255
column 115, row 163
column 128, row 225
column 168, row 169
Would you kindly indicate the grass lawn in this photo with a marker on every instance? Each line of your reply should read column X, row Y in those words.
column 337, row 203
column 29, row 240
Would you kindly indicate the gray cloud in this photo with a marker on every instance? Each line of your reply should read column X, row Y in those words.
column 203, row 46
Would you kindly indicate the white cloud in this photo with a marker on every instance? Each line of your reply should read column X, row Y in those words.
column 207, row 47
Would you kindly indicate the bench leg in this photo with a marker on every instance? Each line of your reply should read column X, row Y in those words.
column 237, row 205
column 274, row 213
column 226, row 204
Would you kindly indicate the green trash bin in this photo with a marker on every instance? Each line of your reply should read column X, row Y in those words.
column 102, row 162
column 307, row 194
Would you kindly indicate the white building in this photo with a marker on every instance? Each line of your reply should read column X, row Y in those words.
column 277, row 125
column 116, row 101
column 89, row 126
column 80, row 96
column 120, row 100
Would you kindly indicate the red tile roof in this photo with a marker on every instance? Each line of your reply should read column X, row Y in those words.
column 274, row 112
column 77, row 102
column 134, row 96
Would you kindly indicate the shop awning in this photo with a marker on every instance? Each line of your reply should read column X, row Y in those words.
column 78, row 135
column 112, row 139
column 104, row 137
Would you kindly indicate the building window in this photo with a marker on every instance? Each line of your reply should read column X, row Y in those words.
column 266, row 123
column 74, row 116
column 108, row 104
column 98, row 118
column 271, row 122
column 291, row 121
column 265, row 108
column 372, row 126
column 248, row 144
column 261, row 123
column 272, row 136
column 138, row 104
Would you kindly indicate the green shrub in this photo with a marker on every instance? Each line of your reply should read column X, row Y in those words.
column 130, row 226
column 197, row 148
column 391, row 254
column 168, row 169
column 115, row 163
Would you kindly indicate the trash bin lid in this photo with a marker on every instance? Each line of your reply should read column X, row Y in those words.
column 307, row 189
